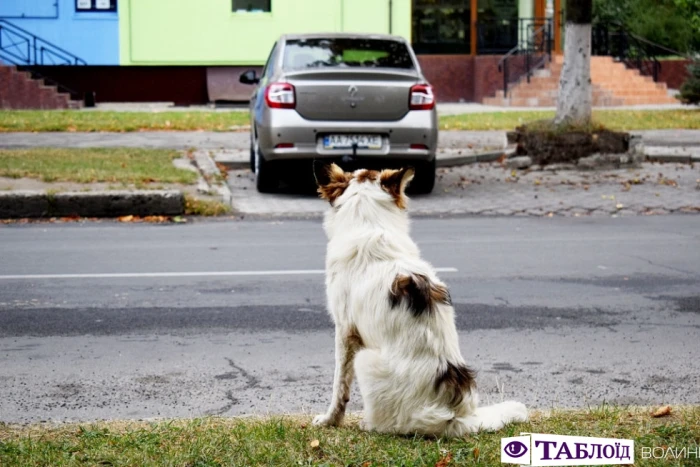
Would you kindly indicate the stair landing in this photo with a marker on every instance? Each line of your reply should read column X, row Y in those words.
column 613, row 85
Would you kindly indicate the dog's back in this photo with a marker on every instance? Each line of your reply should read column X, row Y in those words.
column 411, row 374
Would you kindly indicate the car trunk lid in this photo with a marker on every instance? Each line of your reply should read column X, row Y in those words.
column 361, row 95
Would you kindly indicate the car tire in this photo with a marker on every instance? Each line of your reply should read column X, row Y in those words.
column 266, row 177
column 252, row 157
column 424, row 180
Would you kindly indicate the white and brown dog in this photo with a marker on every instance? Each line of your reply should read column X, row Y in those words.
column 394, row 322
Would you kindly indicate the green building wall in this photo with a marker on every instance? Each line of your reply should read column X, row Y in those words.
column 208, row 32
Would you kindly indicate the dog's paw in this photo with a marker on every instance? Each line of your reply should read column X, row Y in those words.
column 325, row 420
column 365, row 426
column 515, row 411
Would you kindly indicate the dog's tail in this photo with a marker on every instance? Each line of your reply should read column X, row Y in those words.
column 434, row 419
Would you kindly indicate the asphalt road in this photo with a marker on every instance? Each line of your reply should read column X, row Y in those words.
column 105, row 320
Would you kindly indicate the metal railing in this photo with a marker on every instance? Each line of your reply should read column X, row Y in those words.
column 534, row 45
column 632, row 50
column 20, row 47
column 28, row 51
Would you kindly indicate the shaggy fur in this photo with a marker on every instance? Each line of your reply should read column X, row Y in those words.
column 394, row 320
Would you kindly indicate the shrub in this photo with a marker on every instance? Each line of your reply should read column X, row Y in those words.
column 690, row 90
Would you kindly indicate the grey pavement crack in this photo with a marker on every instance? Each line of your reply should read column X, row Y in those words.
column 232, row 401
column 670, row 268
column 251, row 381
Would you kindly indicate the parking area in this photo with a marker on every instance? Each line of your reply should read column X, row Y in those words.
column 492, row 189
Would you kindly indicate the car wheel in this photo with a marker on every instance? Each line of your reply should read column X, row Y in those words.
column 266, row 180
column 424, row 180
column 252, row 157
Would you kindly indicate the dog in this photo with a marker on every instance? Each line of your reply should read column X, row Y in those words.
column 394, row 321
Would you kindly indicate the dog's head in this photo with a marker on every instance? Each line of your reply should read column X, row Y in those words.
column 363, row 195
column 386, row 187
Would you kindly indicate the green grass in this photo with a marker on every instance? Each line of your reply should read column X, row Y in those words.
column 287, row 441
column 89, row 165
column 203, row 207
column 73, row 120
column 611, row 119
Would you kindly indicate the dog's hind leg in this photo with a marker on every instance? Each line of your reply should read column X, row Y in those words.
column 374, row 380
column 347, row 343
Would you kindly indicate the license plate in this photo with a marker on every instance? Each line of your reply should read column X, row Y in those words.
column 347, row 141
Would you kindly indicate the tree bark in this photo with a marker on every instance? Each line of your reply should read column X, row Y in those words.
column 575, row 99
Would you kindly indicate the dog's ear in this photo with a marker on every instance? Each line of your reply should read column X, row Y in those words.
column 331, row 180
column 321, row 173
column 395, row 182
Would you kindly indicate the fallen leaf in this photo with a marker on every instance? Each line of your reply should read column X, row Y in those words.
column 445, row 461
column 662, row 411
column 156, row 219
column 619, row 205
column 126, row 219
column 315, row 443
column 476, row 453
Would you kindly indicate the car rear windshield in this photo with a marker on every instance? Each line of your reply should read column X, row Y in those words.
column 300, row 54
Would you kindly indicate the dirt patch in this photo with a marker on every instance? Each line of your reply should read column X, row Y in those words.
column 551, row 145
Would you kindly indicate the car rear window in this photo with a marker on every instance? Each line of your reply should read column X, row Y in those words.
column 300, row 54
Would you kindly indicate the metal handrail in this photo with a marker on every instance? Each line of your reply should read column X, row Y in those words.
column 39, row 50
column 531, row 47
column 632, row 50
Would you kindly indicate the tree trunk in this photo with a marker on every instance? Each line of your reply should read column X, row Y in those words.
column 575, row 91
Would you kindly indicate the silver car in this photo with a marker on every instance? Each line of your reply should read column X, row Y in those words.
column 357, row 100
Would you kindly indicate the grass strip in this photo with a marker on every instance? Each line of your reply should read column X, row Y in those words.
column 75, row 120
column 89, row 165
column 294, row 441
column 622, row 120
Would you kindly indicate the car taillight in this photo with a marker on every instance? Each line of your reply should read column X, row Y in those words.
column 280, row 96
column 422, row 97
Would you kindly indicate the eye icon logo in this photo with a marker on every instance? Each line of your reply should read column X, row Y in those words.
column 515, row 449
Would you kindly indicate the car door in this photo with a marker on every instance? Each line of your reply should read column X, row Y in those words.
column 258, row 97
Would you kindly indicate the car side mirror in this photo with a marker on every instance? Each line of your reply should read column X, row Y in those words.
column 249, row 77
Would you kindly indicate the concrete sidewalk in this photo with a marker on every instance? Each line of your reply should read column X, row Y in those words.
column 241, row 140
column 232, row 148
column 467, row 184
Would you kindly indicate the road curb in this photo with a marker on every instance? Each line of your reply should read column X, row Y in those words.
column 445, row 158
column 211, row 176
column 21, row 204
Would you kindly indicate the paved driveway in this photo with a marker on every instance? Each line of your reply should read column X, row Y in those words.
column 491, row 189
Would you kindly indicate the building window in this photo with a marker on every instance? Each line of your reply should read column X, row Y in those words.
column 441, row 26
column 252, row 5
column 497, row 26
column 82, row 6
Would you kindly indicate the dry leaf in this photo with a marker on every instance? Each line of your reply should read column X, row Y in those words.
column 126, row 219
column 662, row 411
column 445, row 461
column 315, row 443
